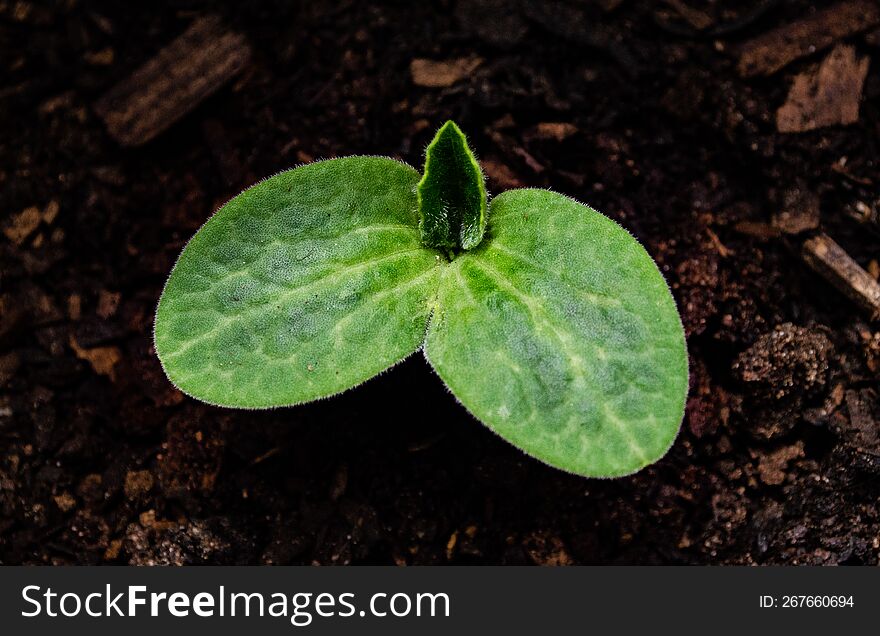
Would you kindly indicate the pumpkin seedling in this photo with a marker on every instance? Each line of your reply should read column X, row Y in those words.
column 547, row 320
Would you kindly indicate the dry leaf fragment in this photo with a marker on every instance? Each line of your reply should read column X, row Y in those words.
column 826, row 97
column 434, row 74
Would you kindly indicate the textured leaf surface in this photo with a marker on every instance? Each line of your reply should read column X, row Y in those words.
column 452, row 193
column 561, row 335
column 302, row 286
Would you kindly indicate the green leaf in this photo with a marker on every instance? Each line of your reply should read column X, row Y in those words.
column 452, row 193
column 561, row 335
column 305, row 285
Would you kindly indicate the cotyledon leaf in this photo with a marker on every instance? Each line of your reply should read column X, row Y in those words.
column 560, row 334
column 304, row 285
column 452, row 193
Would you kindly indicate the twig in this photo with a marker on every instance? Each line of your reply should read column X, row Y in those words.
column 833, row 263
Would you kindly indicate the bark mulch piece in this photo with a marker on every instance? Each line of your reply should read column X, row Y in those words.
column 440, row 74
column 775, row 49
column 174, row 82
column 828, row 96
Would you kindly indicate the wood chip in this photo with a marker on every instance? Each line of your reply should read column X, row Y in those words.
column 757, row 229
column 833, row 263
column 21, row 225
column 828, row 96
column 74, row 307
column 103, row 360
column 771, row 51
column 433, row 74
column 450, row 544
column 174, row 82
column 50, row 213
column 557, row 131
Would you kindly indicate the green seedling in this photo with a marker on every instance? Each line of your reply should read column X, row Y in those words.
column 547, row 320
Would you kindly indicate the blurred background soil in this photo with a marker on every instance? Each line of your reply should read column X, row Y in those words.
column 737, row 141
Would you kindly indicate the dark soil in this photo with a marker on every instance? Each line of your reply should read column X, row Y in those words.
column 103, row 461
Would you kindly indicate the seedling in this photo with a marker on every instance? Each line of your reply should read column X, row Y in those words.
column 546, row 319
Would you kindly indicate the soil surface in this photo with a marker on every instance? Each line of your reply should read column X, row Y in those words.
column 637, row 108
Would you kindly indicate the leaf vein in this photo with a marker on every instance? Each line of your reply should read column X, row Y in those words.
column 287, row 295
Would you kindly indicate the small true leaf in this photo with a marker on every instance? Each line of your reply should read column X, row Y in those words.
column 561, row 335
column 452, row 193
column 301, row 287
